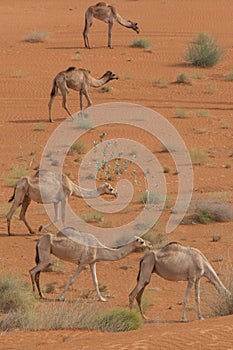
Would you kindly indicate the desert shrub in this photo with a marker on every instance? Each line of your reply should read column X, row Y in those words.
column 77, row 147
column 159, row 82
column 149, row 198
column 203, row 51
column 106, row 88
column 183, row 78
column 182, row 113
column 141, row 43
column 15, row 294
column 93, row 216
column 36, row 37
column 203, row 113
column 221, row 304
column 208, row 211
column 116, row 320
column 198, row 156
column 84, row 122
column 229, row 76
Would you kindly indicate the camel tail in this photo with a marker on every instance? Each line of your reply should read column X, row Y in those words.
column 54, row 90
column 37, row 258
column 13, row 196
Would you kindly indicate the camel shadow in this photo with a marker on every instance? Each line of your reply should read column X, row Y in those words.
column 36, row 121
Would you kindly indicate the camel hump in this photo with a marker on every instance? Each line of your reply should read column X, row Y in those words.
column 70, row 69
column 101, row 3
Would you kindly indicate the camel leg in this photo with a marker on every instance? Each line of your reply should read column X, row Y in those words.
column 89, row 101
column 35, row 275
column 144, row 277
column 63, row 212
column 50, row 107
column 186, row 296
column 197, row 299
column 55, row 219
column 63, row 90
column 110, row 25
column 9, row 215
column 95, row 281
column 88, row 24
column 71, row 281
column 25, row 205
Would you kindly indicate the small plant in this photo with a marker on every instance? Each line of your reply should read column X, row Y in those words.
column 149, row 198
column 116, row 320
column 141, row 43
column 182, row 113
column 203, row 113
column 93, row 216
column 15, row 294
column 77, row 147
column 106, row 88
column 15, row 173
column 159, row 82
column 183, row 78
column 229, row 76
column 84, row 122
column 36, row 37
column 39, row 127
column 198, row 156
column 203, row 51
column 208, row 211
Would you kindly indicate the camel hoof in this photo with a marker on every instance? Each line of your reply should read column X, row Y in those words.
column 32, row 232
column 41, row 228
column 184, row 320
column 60, row 299
column 102, row 300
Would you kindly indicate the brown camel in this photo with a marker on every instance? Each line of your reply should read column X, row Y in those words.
column 48, row 187
column 76, row 79
column 82, row 250
column 175, row 262
column 107, row 14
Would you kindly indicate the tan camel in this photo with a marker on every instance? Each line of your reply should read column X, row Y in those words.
column 82, row 250
column 76, row 79
column 48, row 187
column 107, row 14
column 175, row 262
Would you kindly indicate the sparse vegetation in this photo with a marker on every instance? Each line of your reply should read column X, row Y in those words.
column 106, row 88
column 149, row 198
column 183, row 78
column 117, row 320
column 203, row 51
column 229, row 76
column 93, row 216
column 84, row 122
column 159, row 82
column 198, row 156
column 141, row 43
column 39, row 127
column 203, row 113
column 182, row 113
column 208, row 211
column 77, row 147
column 36, row 37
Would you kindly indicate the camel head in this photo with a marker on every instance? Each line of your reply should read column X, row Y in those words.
column 108, row 189
column 110, row 76
column 134, row 26
column 142, row 243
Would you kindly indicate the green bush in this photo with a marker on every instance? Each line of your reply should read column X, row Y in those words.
column 14, row 294
column 116, row 320
column 203, row 51
column 141, row 43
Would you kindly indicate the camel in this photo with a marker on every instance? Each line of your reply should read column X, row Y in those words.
column 48, row 187
column 82, row 250
column 175, row 262
column 107, row 14
column 76, row 79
